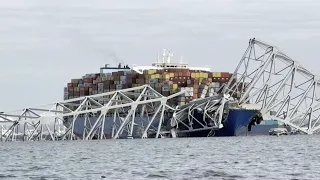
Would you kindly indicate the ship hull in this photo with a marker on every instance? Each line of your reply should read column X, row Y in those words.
column 236, row 124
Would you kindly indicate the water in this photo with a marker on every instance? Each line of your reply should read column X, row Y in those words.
column 263, row 157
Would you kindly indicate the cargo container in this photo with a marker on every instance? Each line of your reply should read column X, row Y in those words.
column 165, row 77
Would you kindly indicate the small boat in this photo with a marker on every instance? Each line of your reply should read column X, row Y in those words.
column 278, row 131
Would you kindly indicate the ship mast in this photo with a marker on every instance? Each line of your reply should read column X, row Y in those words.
column 181, row 59
column 166, row 56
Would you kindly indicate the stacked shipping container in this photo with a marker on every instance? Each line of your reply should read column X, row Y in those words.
column 166, row 82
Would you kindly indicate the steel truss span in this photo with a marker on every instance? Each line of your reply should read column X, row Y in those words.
column 57, row 121
column 285, row 90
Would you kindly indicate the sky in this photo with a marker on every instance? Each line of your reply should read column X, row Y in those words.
column 44, row 44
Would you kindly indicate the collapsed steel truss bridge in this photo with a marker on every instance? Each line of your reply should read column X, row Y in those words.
column 265, row 76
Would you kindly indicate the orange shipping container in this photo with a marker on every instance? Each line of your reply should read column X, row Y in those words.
column 225, row 74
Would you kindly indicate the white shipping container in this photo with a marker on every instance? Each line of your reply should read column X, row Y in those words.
column 215, row 84
column 211, row 92
column 188, row 93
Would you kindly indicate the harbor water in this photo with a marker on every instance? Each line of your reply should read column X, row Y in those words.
column 259, row 157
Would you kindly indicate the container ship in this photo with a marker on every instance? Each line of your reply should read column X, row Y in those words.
column 167, row 78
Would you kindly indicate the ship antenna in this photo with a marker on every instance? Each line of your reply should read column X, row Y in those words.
column 170, row 54
column 181, row 59
column 164, row 55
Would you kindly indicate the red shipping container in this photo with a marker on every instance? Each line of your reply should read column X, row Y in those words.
column 88, row 80
column 195, row 90
column 70, row 85
column 225, row 74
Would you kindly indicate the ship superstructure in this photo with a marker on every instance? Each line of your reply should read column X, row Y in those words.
column 164, row 63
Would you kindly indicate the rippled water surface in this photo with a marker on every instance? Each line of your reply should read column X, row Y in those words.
column 263, row 157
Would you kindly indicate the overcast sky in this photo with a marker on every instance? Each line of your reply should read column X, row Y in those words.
column 44, row 44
